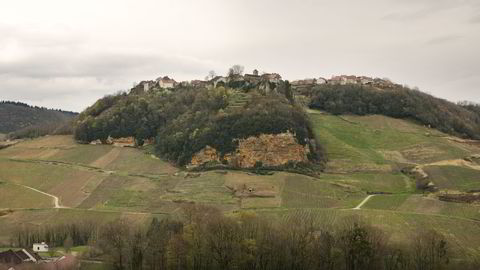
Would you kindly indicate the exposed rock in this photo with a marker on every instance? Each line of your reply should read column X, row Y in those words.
column 207, row 154
column 123, row 142
column 126, row 141
column 96, row 142
column 149, row 141
column 268, row 149
column 419, row 173
column 8, row 143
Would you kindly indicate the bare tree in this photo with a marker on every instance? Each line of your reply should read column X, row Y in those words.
column 211, row 75
column 114, row 241
column 362, row 247
column 236, row 70
column 68, row 243
column 430, row 251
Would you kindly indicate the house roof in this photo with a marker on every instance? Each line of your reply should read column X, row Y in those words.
column 22, row 255
column 10, row 257
column 272, row 75
column 166, row 79
column 33, row 254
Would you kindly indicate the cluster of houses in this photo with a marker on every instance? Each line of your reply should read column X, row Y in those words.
column 251, row 80
column 265, row 81
column 167, row 83
column 344, row 80
column 161, row 82
column 25, row 258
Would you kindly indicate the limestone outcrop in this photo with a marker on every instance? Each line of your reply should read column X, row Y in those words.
column 121, row 142
column 207, row 154
column 269, row 150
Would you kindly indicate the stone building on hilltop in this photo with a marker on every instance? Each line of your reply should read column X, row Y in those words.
column 166, row 82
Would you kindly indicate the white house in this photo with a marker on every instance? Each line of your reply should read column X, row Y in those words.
column 146, row 86
column 40, row 247
column 166, row 82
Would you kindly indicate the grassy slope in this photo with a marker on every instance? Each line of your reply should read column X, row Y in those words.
column 378, row 142
column 454, row 177
column 366, row 153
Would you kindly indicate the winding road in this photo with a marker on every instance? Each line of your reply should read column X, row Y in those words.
column 55, row 198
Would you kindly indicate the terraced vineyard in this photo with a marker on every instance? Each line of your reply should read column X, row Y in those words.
column 366, row 154
column 237, row 100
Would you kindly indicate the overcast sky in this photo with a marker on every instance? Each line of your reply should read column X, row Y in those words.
column 66, row 54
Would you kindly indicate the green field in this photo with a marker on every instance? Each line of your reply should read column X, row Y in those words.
column 454, row 177
column 366, row 154
column 379, row 143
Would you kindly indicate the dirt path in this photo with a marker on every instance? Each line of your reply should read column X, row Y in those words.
column 363, row 202
column 55, row 198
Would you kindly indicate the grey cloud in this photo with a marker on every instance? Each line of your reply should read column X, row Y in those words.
column 475, row 19
column 443, row 39
column 421, row 9
column 65, row 58
column 101, row 64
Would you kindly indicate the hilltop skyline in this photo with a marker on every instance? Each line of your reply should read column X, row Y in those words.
column 67, row 55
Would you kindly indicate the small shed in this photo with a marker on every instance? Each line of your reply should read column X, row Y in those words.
column 40, row 247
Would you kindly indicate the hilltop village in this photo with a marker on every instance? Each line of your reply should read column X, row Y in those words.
column 265, row 81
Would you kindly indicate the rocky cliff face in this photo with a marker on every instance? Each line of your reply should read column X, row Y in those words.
column 270, row 149
column 207, row 154
column 121, row 142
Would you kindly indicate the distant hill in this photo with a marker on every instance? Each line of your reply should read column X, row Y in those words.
column 15, row 116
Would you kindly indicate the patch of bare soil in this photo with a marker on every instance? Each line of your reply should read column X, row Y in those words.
column 5, row 212
column 460, row 198
column 421, row 153
column 465, row 141
column 456, row 162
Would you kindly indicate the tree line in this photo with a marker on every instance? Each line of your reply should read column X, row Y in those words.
column 400, row 102
column 23, row 120
column 204, row 238
column 17, row 103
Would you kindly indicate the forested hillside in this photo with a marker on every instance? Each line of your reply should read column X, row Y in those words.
column 186, row 121
column 15, row 116
column 400, row 102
